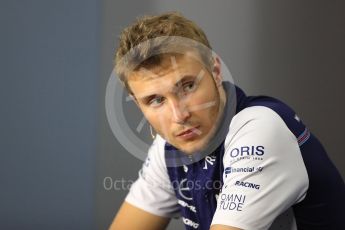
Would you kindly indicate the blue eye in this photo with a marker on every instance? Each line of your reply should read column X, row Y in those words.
column 156, row 101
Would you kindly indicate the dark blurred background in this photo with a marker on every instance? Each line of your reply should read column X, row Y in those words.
column 56, row 57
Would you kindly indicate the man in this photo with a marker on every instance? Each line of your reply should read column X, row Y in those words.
column 216, row 163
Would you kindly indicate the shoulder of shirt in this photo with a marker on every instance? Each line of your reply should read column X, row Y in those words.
column 256, row 116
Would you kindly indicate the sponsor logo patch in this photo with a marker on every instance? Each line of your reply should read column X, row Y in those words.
column 189, row 222
column 231, row 202
column 186, row 205
column 247, row 184
column 229, row 170
column 254, row 152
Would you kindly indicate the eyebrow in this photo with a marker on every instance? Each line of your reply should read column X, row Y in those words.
column 176, row 85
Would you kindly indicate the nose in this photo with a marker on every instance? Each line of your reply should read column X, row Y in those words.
column 180, row 113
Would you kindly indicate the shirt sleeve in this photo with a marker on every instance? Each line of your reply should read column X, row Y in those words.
column 152, row 191
column 264, row 173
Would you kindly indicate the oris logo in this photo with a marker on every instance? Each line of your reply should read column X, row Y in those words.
column 248, row 151
column 247, row 185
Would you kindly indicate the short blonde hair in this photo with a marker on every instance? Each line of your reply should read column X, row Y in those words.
column 135, row 39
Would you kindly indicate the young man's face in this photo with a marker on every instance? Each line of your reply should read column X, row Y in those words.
column 180, row 99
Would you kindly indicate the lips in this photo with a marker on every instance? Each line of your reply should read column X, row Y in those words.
column 189, row 132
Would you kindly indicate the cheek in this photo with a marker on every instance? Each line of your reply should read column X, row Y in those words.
column 207, row 115
column 157, row 121
column 205, row 98
column 151, row 118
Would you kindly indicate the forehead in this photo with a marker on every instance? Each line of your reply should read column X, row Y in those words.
column 169, row 63
column 165, row 75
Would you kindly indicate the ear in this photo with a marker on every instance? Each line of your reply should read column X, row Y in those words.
column 216, row 71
